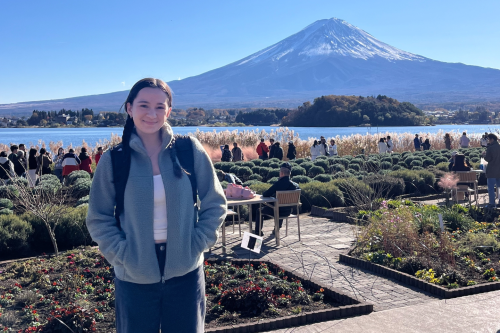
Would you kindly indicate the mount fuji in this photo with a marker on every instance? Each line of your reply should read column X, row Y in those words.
column 327, row 57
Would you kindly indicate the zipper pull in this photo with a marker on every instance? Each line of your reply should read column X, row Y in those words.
column 162, row 279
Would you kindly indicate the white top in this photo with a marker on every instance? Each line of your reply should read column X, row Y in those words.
column 160, row 210
column 464, row 141
column 315, row 151
column 332, row 150
column 390, row 145
column 382, row 148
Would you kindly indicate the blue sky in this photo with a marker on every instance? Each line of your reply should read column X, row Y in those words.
column 58, row 49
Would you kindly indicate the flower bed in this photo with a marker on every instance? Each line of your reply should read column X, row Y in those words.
column 77, row 288
column 405, row 241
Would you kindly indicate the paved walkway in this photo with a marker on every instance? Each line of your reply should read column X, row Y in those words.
column 317, row 256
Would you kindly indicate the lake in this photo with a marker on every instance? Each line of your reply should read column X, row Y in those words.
column 93, row 134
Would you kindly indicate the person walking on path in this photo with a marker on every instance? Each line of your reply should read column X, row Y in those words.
column 390, row 144
column 278, row 151
column 272, row 148
column 6, row 168
column 33, row 167
column 98, row 156
column 416, row 143
column 332, row 148
column 237, row 153
column 315, row 150
column 262, row 150
column 464, row 140
column 58, row 167
column 492, row 156
column 447, row 141
column 426, row 145
column 156, row 242
column 44, row 161
column 227, row 156
column 70, row 163
column 382, row 146
column 292, row 151
column 85, row 160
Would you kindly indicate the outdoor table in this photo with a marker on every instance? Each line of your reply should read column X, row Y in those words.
column 257, row 200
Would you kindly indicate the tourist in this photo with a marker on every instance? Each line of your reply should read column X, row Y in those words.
column 484, row 141
column 315, row 150
column 227, row 156
column 237, row 153
column 85, row 161
column 324, row 147
column 98, row 155
column 447, row 141
column 22, row 148
column 426, row 145
column 19, row 168
column 416, row 143
column 272, row 147
column 390, row 144
column 283, row 184
column 33, row 167
column 464, row 141
column 332, row 148
column 492, row 156
column 156, row 283
column 58, row 168
column 292, row 151
column 278, row 151
column 44, row 161
column 262, row 150
column 6, row 168
column 460, row 163
column 230, row 178
column 70, row 163
column 382, row 146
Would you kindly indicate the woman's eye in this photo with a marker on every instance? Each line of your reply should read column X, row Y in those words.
column 143, row 106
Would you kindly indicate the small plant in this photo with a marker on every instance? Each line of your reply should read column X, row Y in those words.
column 471, row 283
column 489, row 273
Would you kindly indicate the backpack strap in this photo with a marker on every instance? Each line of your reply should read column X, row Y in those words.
column 120, row 176
column 184, row 150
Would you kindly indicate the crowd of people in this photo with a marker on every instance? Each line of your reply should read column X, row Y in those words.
column 34, row 163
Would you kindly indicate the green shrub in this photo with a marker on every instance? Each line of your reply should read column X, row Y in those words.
column 307, row 165
column 234, row 169
column 395, row 159
column 418, row 168
column 265, row 163
column 50, row 184
column 6, row 211
column 372, row 165
column 349, row 185
column 8, row 192
column 321, row 195
column 323, row 178
column 256, row 170
column 264, row 171
column 273, row 180
column 244, row 172
column 322, row 163
column 428, row 162
column 223, row 184
column 53, row 178
column 273, row 173
column 354, row 167
column 396, row 167
column 257, row 162
column 390, row 187
column 300, row 160
column 14, row 234
column 81, row 188
column 416, row 163
column 226, row 166
column 75, row 175
column 301, row 179
column 455, row 217
column 386, row 165
column 6, row 203
column 255, row 177
column 315, row 170
column 408, row 160
column 357, row 161
column 260, row 187
column 218, row 165
column 19, row 181
column 443, row 166
column 416, row 181
column 82, row 200
column 251, row 182
column 338, row 168
column 344, row 161
column 298, row 171
column 248, row 164
column 274, row 160
column 342, row 174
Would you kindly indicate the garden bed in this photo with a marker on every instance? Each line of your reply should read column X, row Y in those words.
column 77, row 287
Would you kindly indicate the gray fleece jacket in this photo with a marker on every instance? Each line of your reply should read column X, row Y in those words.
column 132, row 250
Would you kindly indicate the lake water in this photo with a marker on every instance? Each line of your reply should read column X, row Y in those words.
column 94, row 134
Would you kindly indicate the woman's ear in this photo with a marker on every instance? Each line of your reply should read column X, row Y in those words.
column 128, row 108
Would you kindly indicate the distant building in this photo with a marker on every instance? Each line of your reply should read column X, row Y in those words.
column 62, row 119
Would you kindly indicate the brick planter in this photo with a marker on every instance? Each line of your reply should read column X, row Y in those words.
column 419, row 283
column 318, row 211
column 352, row 308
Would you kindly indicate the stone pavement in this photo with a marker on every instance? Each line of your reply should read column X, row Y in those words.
column 317, row 256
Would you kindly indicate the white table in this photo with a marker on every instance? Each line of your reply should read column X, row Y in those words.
column 257, row 200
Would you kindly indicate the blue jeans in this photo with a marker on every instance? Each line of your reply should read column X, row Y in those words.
column 491, row 189
column 177, row 305
column 58, row 173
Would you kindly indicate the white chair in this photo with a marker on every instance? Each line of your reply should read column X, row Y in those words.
column 287, row 199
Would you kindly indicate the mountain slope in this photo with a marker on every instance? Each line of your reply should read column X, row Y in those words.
column 327, row 57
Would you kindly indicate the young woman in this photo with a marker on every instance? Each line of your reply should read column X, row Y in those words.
column 315, row 150
column 382, row 146
column 332, row 148
column 85, row 160
column 157, row 251
column 44, row 162
column 426, row 145
column 58, row 167
column 447, row 141
column 32, row 167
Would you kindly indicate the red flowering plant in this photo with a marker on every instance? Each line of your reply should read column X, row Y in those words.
column 74, row 317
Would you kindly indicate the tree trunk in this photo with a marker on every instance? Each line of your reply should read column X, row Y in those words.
column 52, row 239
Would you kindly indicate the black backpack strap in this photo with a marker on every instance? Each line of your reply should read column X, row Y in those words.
column 184, row 150
column 120, row 176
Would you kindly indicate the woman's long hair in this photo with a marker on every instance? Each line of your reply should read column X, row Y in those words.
column 315, row 143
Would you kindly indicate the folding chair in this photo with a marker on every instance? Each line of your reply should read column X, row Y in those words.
column 287, row 199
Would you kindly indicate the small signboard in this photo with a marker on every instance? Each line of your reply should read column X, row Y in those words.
column 251, row 242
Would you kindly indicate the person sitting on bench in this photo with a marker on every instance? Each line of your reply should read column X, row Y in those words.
column 283, row 184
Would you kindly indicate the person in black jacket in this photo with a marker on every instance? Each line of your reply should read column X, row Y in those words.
column 292, row 152
column 283, row 184
column 227, row 156
column 272, row 148
column 278, row 151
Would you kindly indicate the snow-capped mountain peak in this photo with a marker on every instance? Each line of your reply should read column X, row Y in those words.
column 332, row 37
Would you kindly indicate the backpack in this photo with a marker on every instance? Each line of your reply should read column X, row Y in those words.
column 184, row 151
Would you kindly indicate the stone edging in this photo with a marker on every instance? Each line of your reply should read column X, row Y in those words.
column 416, row 282
column 353, row 308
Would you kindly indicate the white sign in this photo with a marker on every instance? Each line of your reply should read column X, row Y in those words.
column 251, row 242
column 441, row 224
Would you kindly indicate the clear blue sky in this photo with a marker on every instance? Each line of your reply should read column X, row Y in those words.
column 57, row 49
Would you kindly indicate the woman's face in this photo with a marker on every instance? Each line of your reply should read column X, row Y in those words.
column 149, row 110
column 60, row 151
